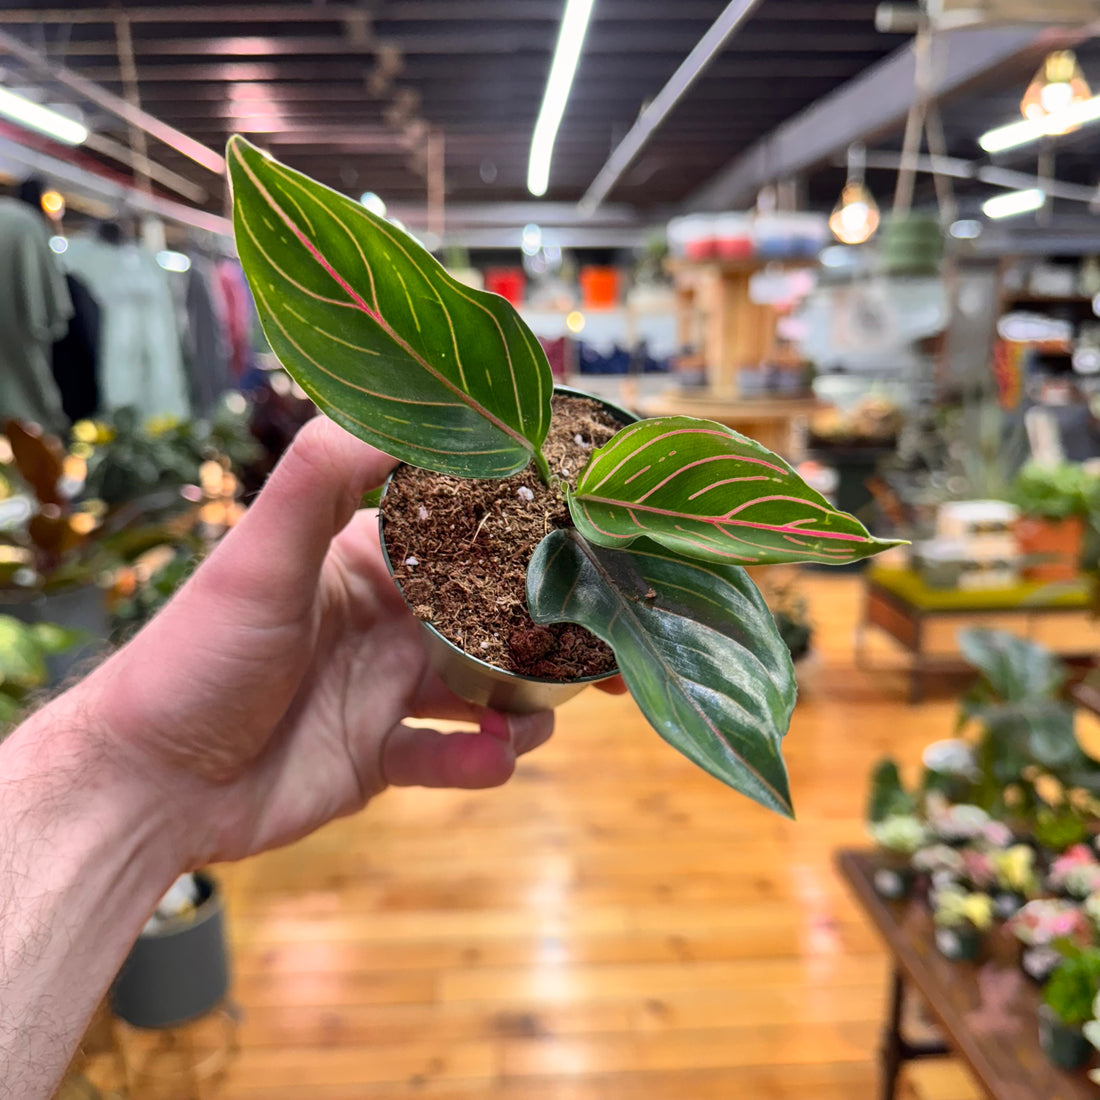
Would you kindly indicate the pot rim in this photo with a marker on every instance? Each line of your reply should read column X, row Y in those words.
column 569, row 391
column 206, row 910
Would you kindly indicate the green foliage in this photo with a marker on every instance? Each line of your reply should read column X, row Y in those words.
column 696, row 645
column 1060, row 830
column 1072, row 988
column 382, row 338
column 888, row 796
column 404, row 356
column 23, row 651
column 1053, row 492
column 1027, row 727
column 707, row 492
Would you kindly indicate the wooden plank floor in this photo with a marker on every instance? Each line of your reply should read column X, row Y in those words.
column 614, row 925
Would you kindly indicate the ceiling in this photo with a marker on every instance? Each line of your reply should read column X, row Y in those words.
column 347, row 92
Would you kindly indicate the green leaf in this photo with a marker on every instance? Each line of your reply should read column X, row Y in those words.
column 706, row 491
column 21, row 660
column 696, row 644
column 888, row 797
column 382, row 338
column 1013, row 668
column 52, row 639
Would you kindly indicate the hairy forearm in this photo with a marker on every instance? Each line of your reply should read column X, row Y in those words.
column 83, row 862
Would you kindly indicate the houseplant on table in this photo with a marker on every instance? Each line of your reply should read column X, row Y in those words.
column 1042, row 926
column 961, row 919
column 1068, row 998
column 642, row 536
column 1054, row 506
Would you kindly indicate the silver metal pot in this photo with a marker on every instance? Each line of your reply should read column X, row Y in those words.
column 484, row 684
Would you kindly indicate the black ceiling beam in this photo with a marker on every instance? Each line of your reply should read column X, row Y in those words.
column 874, row 103
column 629, row 40
column 429, row 11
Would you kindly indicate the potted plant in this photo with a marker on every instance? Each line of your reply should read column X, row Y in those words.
column 1068, row 997
column 898, row 838
column 1054, row 504
column 957, row 824
column 643, row 535
column 943, row 865
column 178, row 969
column 1075, row 873
column 961, row 920
column 1040, row 925
column 893, row 825
column 1016, row 880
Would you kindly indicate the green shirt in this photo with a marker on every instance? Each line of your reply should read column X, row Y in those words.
column 34, row 312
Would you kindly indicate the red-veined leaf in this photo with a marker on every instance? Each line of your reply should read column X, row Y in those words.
column 382, row 338
column 710, row 493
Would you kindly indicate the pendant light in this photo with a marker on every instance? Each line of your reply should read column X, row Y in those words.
column 1058, row 86
column 856, row 216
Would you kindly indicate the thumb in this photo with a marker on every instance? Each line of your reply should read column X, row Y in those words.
column 270, row 562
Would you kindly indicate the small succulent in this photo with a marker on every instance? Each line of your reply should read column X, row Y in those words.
column 901, row 833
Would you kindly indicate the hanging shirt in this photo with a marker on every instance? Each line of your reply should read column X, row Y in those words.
column 209, row 337
column 141, row 362
column 34, row 312
column 76, row 355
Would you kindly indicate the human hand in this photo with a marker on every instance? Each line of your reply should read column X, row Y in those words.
column 269, row 696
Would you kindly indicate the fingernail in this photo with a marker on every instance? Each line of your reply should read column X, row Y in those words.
column 495, row 724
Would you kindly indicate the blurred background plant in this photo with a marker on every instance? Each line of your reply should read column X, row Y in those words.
column 25, row 650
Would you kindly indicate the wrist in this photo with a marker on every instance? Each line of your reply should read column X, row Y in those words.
column 63, row 772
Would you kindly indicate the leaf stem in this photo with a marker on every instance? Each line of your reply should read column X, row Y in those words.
column 543, row 468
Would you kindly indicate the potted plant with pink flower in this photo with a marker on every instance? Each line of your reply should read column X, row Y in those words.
column 942, row 864
column 1075, row 873
column 1041, row 926
column 956, row 824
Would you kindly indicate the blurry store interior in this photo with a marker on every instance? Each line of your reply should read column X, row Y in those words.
column 865, row 236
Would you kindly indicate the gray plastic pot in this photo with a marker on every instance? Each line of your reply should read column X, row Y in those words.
column 180, row 972
column 484, row 684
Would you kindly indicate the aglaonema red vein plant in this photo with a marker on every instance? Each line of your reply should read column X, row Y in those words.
column 666, row 515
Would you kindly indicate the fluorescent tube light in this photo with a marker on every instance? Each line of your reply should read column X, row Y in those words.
column 574, row 26
column 1016, row 134
column 1014, row 203
column 37, row 117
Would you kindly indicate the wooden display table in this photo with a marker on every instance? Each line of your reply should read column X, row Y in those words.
column 926, row 621
column 776, row 422
column 987, row 1012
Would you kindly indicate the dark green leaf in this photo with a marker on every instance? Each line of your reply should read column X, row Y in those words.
column 709, row 492
column 379, row 335
column 696, row 644
column 888, row 796
column 1014, row 668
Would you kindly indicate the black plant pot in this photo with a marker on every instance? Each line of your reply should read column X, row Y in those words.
column 959, row 944
column 894, row 880
column 1065, row 1046
column 180, row 972
column 483, row 684
column 1007, row 904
